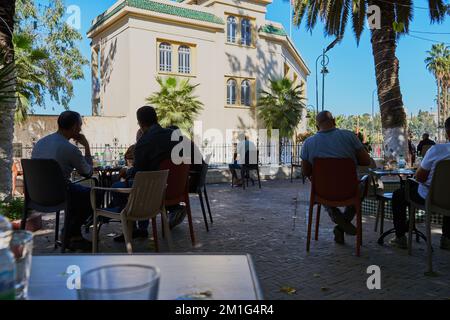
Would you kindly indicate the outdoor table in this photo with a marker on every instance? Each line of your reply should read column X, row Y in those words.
column 227, row 277
column 400, row 173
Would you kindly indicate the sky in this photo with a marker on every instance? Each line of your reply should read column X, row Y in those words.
column 351, row 81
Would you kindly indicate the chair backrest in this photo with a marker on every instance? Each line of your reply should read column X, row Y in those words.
column 438, row 200
column 177, row 182
column 334, row 179
column 44, row 182
column 147, row 195
column 425, row 149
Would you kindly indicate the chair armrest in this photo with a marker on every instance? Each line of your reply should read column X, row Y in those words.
column 86, row 179
column 365, row 181
column 118, row 190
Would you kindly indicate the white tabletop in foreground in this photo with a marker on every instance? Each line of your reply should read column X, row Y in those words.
column 227, row 277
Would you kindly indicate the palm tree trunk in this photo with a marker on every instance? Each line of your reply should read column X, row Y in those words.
column 7, row 109
column 438, row 107
column 393, row 116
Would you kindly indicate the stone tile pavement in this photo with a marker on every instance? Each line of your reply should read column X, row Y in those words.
column 259, row 222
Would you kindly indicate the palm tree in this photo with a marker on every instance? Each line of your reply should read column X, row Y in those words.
column 282, row 107
column 176, row 103
column 7, row 105
column 438, row 63
column 394, row 19
column 30, row 75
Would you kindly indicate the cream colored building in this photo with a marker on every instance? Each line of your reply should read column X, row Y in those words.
column 227, row 47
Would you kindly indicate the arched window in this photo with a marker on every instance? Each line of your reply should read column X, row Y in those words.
column 184, row 59
column 231, row 29
column 165, row 57
column 231, row 92
column 246, row 93
column 246, row 32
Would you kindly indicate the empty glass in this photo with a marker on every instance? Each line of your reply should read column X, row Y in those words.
column 22, row 247
column 120, row 282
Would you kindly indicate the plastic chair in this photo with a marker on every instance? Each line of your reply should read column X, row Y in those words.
column 437, row 202
column 146, row 201
column 47, row 191
column 334, row 183
column 178, row 189
column 198, row 187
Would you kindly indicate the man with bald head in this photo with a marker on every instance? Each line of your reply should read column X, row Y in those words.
column 331, row 142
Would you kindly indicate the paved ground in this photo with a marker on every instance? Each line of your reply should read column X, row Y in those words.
column 259, row 222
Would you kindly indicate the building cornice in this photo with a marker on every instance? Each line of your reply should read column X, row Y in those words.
column 161, row 10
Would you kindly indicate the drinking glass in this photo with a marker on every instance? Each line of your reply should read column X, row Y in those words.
column 22, row 247
column 120, row 282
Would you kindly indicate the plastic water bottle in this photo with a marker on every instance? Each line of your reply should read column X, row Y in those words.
column 108, row 155
column 7, row 262
column 402, row 162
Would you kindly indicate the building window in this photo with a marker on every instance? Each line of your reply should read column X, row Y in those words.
column 165, row 57
column 231, row 92
column 231, row 29
column 184, row 59
column 246, row 93
column 246, row 32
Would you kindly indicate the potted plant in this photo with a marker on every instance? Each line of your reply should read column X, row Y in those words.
column 13, row 210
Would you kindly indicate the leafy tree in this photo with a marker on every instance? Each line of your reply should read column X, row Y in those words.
column 394, row 20
column 281, row 108
column 423, row 122
column 51, row 74
column 176, row 103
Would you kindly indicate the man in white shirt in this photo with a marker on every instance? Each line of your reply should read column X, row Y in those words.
column 424, row 175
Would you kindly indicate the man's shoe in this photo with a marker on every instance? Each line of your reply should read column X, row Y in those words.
column 338, row 235
column 137, row 234
column 176, row 216
column 399, row 242
column 445, row 243
column 79, row 244
column 343, row 223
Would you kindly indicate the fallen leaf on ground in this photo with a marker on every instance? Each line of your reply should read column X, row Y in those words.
column 324, row 289
column 288, row 290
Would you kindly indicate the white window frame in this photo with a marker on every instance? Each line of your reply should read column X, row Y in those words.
column 184, row 59
column 231, row 91
column 246, row 32
column 246, row 93
column 165, row 57
column 232, row 26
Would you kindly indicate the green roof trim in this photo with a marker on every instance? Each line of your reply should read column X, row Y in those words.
column 165, row 8
column 269, row 28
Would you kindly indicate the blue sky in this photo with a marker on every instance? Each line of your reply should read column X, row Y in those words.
column 351, row 81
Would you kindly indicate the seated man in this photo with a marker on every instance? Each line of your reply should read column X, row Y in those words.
column 330, row 142
column 246, row 154
column 129, row 154
column 424, row 175
column 153, row 147
column 57, row 146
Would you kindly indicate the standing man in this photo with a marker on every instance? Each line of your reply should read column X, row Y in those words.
column 57, row 146
column 426, row 141
column 331, row 142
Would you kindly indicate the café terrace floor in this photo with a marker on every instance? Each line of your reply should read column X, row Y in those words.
column 259, row 222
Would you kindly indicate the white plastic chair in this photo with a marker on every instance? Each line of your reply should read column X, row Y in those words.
column 146, row 201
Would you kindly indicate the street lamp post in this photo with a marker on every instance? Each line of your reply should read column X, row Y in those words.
column 324, row 71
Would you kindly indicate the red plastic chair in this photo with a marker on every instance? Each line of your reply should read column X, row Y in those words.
column 334, row 184
column 178, row 189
